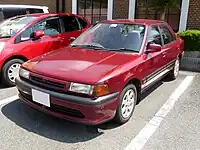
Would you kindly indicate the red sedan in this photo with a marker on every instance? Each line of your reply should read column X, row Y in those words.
column 28, row 36
column 103, row 73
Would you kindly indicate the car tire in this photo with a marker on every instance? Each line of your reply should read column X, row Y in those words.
column 122, row 116
column 10, row 71
column 175, row 71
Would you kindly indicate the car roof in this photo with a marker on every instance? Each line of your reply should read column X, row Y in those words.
column 44, row 15
column 135, row 21
column 22, row 6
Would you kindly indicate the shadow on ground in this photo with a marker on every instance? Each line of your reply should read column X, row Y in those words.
column 55, row 128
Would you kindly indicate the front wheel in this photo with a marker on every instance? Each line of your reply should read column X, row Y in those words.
column 10, row 71
column 175, row 71
column 127, row 102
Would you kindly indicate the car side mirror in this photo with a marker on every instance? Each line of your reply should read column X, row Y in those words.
column 71, row 39
column 151, row 48
column 37, row 34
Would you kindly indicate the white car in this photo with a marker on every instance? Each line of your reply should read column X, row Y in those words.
column 8, row 11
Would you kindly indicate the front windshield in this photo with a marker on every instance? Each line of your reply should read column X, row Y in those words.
column 109, row 36
column 11, row 26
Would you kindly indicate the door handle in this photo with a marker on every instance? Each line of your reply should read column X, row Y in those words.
column 61, row 39
column 164, row 54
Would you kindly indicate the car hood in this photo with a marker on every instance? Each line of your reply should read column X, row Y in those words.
column 80, row 65
column 4, row 39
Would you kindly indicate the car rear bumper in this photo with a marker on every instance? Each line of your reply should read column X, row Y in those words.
column 73, row 108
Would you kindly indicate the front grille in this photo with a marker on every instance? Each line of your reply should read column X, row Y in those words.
column 54, row 108
column 47, row 83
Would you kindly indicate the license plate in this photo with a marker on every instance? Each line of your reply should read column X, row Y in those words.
column 41, row 97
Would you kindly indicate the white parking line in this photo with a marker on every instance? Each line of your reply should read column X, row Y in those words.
column 144, row 135
column 8, row 100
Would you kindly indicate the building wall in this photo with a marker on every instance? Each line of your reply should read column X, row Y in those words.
column 50, row 3
column 194, row 15
column 120, row 9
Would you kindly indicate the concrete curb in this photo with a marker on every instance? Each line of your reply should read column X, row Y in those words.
column 191, row 61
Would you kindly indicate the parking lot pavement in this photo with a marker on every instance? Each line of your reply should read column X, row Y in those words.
column 22, row 127
column 181, row 128
column 7, row 92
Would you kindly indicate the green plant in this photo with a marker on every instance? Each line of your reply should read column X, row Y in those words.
column 191, row 39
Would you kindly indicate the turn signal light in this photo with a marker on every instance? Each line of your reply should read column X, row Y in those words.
column 100, row 90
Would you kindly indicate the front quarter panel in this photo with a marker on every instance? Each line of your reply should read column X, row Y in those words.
column 119, row 77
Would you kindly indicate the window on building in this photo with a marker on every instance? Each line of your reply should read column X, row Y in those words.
column 145, row 10
column 93, row 10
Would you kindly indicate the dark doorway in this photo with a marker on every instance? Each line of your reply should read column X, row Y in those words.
column 144, row 10
column 93, row 10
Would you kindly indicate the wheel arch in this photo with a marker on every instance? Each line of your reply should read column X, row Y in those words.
column 137, row 83
column 14, row 57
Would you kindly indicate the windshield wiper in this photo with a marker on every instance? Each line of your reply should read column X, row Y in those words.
column 124, row 49
column 92, row 46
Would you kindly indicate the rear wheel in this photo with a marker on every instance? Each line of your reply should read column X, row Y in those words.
column 175, row 71
column 126, row 106
column 10, row 71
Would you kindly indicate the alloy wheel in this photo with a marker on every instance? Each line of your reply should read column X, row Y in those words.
column 13, row 71
column 128, row 103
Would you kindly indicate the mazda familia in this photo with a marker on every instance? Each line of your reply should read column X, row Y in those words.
column 101, row 75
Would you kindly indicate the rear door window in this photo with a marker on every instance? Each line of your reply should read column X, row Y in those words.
column 70, row 23
column 166, row 34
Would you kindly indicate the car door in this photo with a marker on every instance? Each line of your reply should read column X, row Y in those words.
column 71, row 28
column 52, row 39
column 152, row 65
column 169, row 52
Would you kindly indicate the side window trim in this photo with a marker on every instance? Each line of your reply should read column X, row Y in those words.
column 61, row 22
column 162, row 40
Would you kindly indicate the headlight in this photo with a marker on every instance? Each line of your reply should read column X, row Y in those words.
column 81, row 88
column 2, row 44
column 97, row 90
column 24, row 73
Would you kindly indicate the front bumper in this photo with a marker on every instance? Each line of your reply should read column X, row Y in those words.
column 73, row 108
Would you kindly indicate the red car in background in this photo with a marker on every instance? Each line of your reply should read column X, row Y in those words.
column 103, row 73
column 27, row 36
